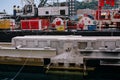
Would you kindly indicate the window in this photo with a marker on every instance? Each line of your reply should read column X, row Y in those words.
column 62, row 12
column 47, row 12
column 82, row 45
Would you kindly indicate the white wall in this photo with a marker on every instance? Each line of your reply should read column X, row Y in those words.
column 51, row 10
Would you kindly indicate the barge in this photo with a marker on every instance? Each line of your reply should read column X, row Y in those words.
column 62, row 53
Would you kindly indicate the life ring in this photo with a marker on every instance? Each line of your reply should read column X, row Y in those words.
column 80, row 26
column 58, row 22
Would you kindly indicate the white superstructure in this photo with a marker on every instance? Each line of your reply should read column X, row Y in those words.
column 53, row 11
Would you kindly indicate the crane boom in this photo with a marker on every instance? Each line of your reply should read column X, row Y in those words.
column 42, row 3
column 28, row 1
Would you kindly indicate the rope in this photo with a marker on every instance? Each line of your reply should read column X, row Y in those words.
column 20, row 69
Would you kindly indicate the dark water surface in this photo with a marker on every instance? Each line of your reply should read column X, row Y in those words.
column 37, row 76
column 101, row 73
column 41, row 76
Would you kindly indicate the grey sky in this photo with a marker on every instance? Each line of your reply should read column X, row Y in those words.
column 8, row 4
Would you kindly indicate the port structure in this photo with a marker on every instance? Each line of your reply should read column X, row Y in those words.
column 62, row 53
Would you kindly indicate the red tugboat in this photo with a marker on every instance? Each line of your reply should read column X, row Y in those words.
column 31, row 21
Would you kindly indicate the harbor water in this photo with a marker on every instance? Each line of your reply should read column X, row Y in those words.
column 15, row 73
column 37, row 76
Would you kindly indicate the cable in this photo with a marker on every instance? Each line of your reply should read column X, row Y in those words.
column 20, row 69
